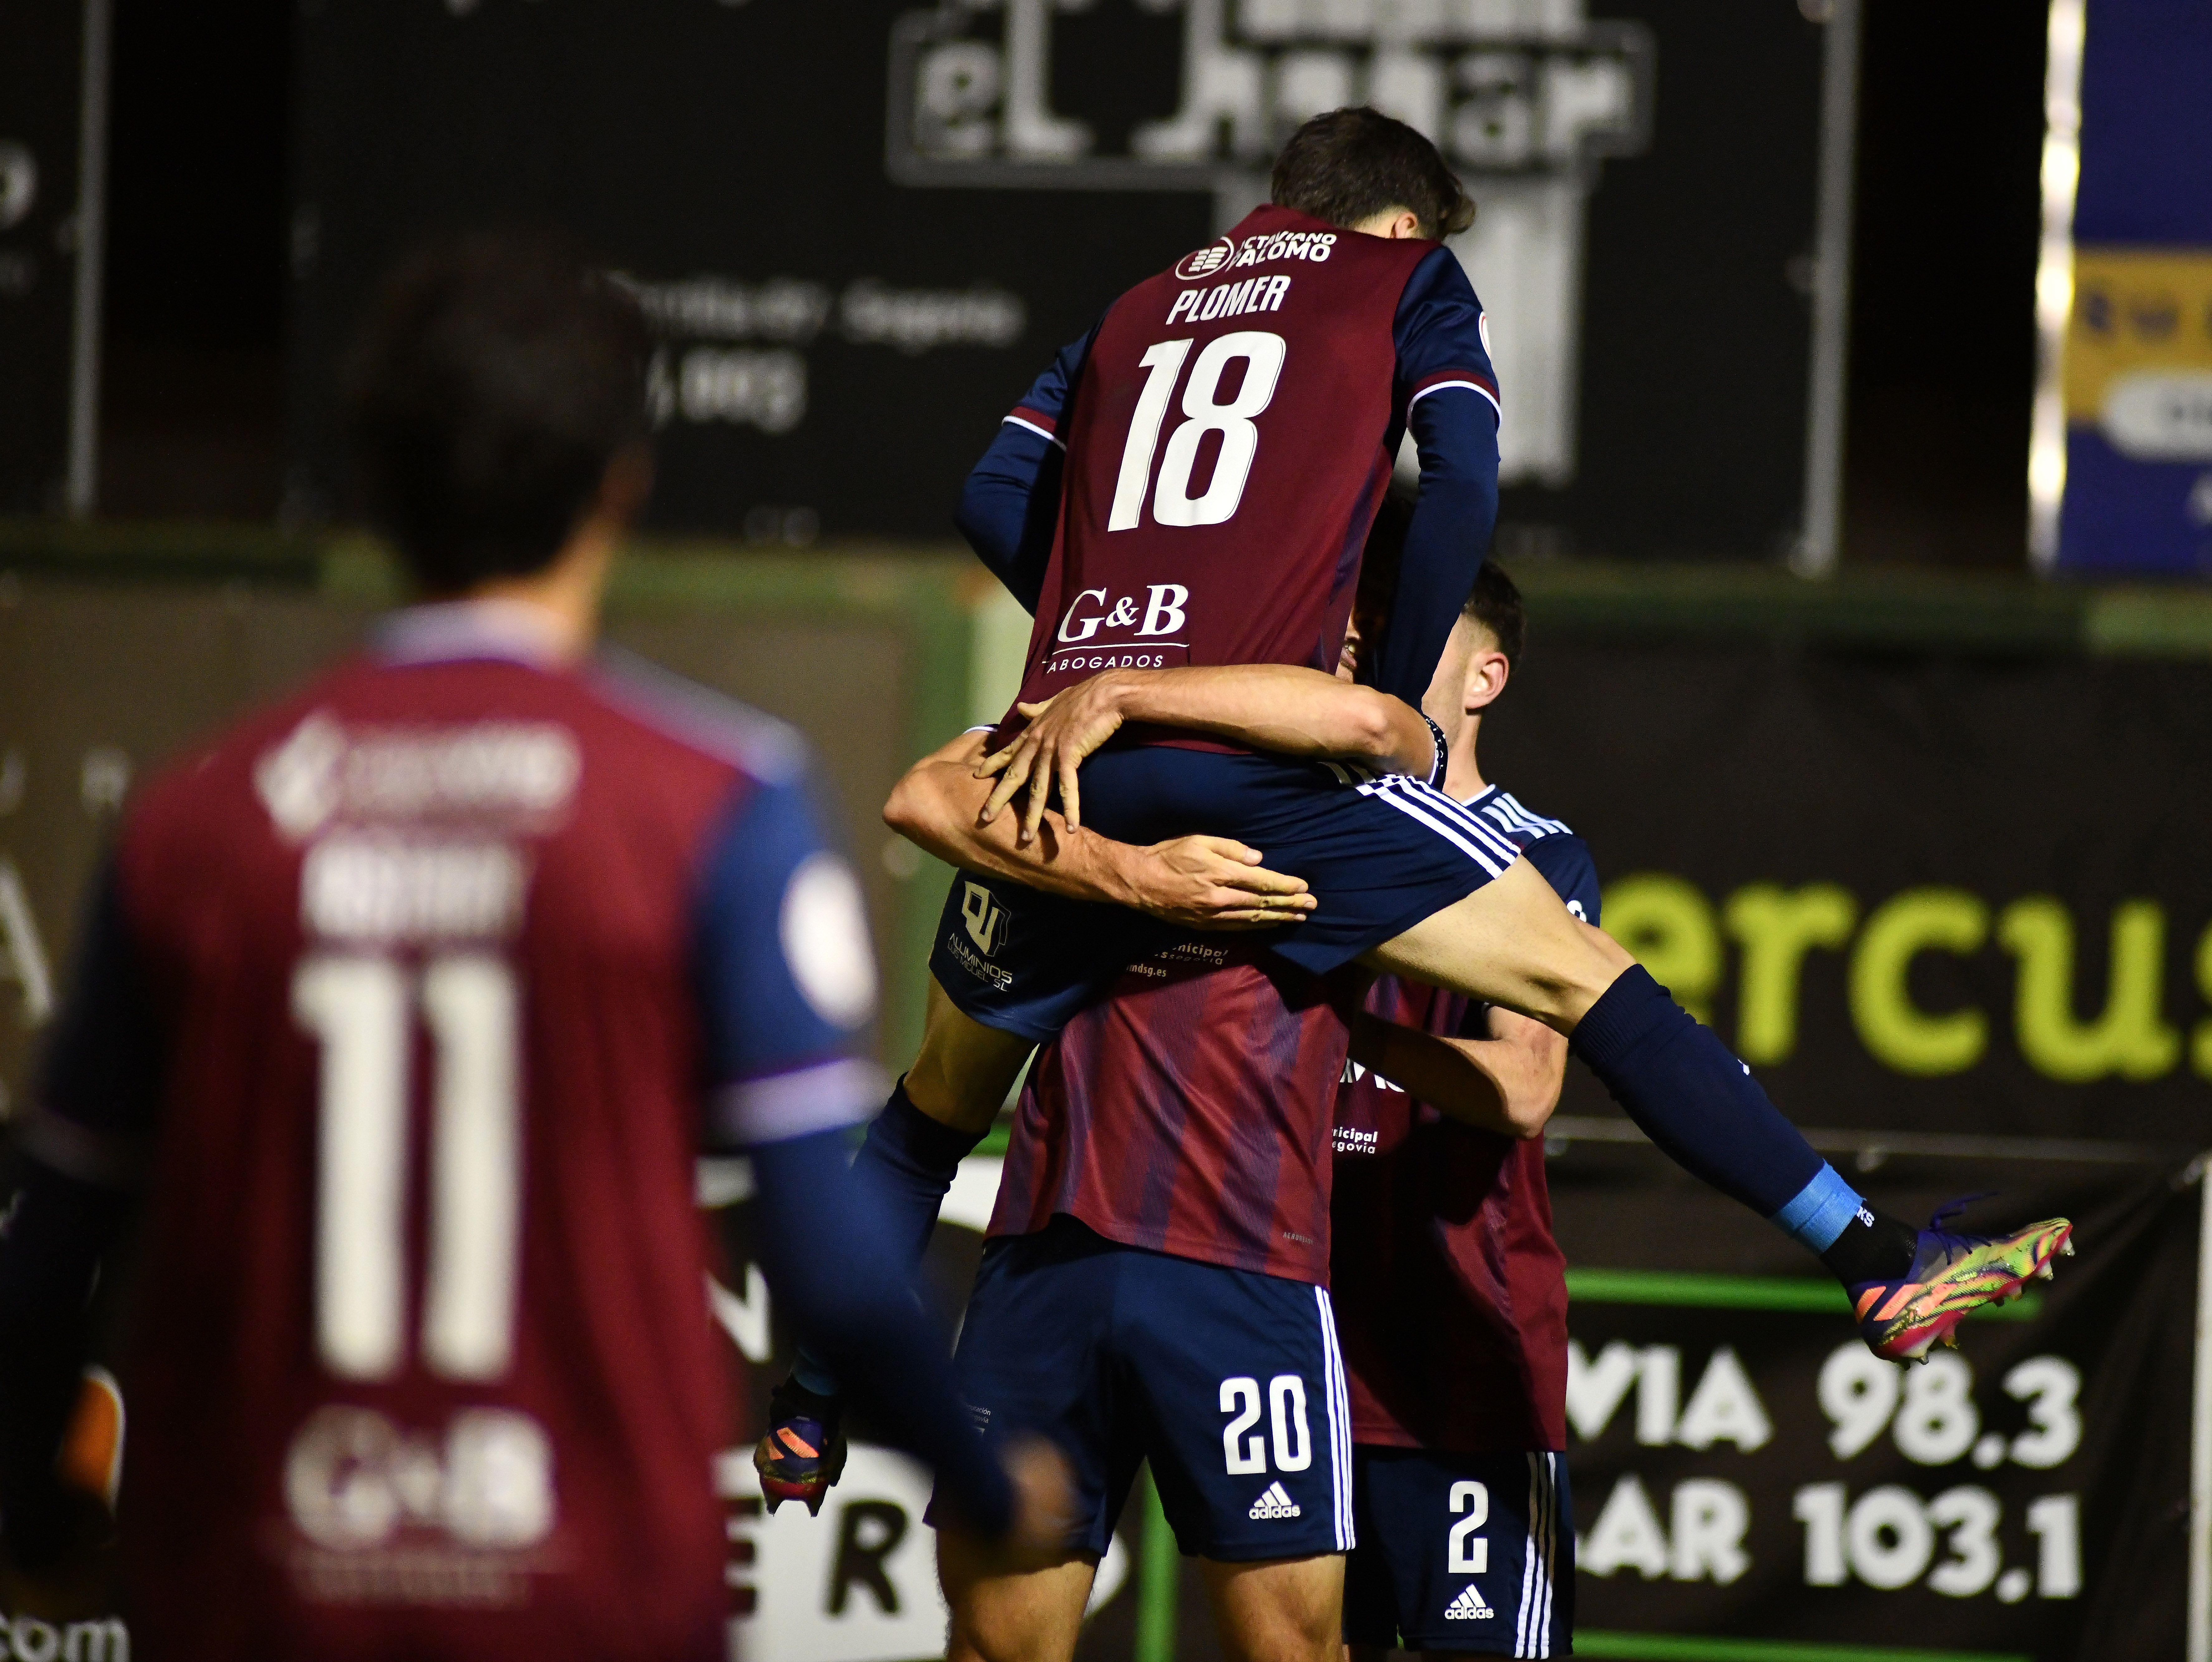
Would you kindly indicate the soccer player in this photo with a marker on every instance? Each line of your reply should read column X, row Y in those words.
column 1233, row 540
column 1450, row 1291
column 413, row 996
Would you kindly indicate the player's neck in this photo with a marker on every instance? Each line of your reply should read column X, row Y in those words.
column 564, row 597
column 1463, row 777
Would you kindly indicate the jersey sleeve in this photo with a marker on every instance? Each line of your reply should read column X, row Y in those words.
column 1010, row 504
column 1448, row 394
column 1566, row 865
column 786, row 977
column 98, row 1100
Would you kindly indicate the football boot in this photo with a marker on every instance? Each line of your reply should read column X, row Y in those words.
column 1952, row 1275
column 803, row 1452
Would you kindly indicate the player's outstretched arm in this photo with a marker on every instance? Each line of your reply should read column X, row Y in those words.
column 1270, row 707
column 1508, row 1083
column 1200, row 883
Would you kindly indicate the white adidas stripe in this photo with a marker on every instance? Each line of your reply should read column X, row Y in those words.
column 1532, row 1634
column 1557, row 828
column 1452, row 808
column 1339, row 1421
column 1483, row 846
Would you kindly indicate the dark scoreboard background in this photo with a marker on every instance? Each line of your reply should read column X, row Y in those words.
column 41, row 81
column 850, row 310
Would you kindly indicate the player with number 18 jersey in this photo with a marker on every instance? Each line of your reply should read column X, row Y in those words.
column 1229, row 428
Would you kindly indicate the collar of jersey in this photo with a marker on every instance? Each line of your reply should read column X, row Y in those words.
column 454, row 631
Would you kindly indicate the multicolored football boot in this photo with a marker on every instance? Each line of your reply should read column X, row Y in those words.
column 803, row 1453
column 1953, row 1274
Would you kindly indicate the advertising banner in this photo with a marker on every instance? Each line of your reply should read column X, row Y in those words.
column 1748, row 1478
column 863, row 229
column 2137, row 355
column 1951, row 909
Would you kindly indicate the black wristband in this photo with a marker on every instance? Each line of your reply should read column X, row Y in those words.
column 1443, row 755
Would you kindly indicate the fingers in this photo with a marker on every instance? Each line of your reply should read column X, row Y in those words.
column 1015, row 774
column 1071, row 793
column 987, row 766
column 1258, row 880
column 1228, row 848
column 1040, row 790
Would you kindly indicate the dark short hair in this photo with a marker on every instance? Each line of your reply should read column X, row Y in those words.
column 1347, row 165
column 1494, row 601
column 494, row 378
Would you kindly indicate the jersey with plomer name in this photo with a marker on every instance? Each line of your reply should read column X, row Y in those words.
column 1188, row 1113
column 424, row 988
column 1230, row 429
column 1450, row 1297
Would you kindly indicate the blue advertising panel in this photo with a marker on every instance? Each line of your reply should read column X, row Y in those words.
column 2138, row 352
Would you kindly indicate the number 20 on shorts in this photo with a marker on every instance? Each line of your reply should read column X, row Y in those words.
column 1262, row 354
column 1286, row 1417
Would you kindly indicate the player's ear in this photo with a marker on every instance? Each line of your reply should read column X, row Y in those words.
column 1486, row 674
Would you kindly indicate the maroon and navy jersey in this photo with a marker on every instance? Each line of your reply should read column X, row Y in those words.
column 424, row 989
column 1229, row 428
column 1188, row 1113
column 1450, row 1292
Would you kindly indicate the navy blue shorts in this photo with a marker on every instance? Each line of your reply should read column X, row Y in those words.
column 1380, row 853
column 1462, row 1552
column 1228, row 1381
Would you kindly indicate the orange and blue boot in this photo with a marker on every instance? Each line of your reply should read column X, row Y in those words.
column 803, row 1453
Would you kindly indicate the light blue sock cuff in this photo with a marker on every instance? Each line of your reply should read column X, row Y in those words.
column 814, row 1377
column 1821, row 1211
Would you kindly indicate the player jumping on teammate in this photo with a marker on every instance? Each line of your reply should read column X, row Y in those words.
column 1296, row 350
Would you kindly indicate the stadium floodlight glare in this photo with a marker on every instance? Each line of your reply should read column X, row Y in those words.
column 2054, row 279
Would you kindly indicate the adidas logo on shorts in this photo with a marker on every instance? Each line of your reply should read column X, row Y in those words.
column 1469, row 1606
column 1275, row 1503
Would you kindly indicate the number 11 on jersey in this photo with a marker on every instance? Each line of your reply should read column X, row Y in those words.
column 363, row 1010
column 1262, row 354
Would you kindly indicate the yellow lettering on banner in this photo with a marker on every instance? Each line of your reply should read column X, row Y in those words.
column 1667, row 924
column 2131, row 1038
column 1775, row 928
column 2201, row 1050
column 2137, row 311
column 1897, row 1032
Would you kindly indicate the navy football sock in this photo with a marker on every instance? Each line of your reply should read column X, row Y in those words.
column 908, row 1161
column 1701, row 1107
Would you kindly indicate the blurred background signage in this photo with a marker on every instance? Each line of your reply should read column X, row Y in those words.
column 828, row 254
column 2130, row 365
column 53, row 84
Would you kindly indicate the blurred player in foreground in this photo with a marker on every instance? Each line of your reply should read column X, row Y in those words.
column 414, row 997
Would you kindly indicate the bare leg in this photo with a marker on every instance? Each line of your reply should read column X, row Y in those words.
column 1513, row 943
column 1285, row 1609
column 1027, row 1615
column 962, row 1077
